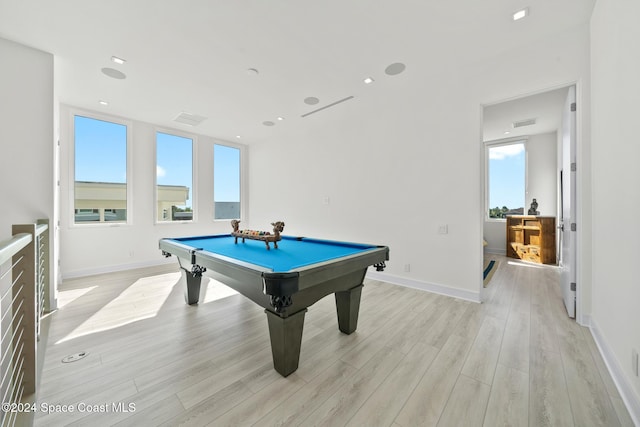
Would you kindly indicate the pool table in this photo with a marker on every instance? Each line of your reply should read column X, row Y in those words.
column 284, row 281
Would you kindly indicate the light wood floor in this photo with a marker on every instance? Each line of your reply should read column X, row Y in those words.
column 417, row 359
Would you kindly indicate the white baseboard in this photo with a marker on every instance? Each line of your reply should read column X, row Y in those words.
column 496, row 251
column 114, row 268
column 627, row 393
column 424, row 286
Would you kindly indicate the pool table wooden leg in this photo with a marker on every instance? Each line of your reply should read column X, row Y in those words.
column 192, row 286
column 348, row 306
column 286, row 337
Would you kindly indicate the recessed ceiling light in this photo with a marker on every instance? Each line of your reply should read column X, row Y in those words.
column 280, row 119
column 103, row 102
column 268, row 123
column 238, row 136
column 252, row 72
column 368, row 80
column 118, row 60
column 507, row 132
column 521, row 14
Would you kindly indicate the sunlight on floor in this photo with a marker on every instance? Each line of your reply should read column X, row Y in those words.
column 142, row 300
column 526, row 264
column 69, row 296
column 215, row 290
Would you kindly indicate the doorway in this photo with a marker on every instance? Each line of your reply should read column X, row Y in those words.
column 545, row 123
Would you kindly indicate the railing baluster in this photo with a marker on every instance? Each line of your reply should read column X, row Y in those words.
column 23, row 301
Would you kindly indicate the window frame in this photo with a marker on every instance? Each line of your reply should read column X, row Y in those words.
column 241, row 177
column 73, row 112
column 194, row 174
column 497, row 143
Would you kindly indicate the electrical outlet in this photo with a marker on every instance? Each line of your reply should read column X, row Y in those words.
column 443, row 229
column 407, row 268
column 634, row 361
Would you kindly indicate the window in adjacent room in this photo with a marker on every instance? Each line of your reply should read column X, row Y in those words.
column 174, row 177
column 506, row 178
column 100, row 168
column 226, row 182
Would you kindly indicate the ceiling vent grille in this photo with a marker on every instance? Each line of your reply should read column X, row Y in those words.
column 189, row 119
column 522, row 123
column 328, row 106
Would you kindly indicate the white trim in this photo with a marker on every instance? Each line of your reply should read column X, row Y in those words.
column 581, row 263
column 495, row 251
column 425, row 286
column 627, row 393
column 115, row 268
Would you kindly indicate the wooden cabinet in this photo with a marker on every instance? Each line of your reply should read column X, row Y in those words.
column 532, row 238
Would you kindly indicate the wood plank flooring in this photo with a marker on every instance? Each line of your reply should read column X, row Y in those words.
column 417, row 359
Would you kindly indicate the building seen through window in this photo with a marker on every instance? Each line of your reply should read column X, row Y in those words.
column 174, row 177
column 100, row 190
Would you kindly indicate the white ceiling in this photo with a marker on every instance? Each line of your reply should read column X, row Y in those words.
column 545, row 108
column 193, row 55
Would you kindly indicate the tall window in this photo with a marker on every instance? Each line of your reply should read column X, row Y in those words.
column 174, row 182
column 226, row 182
column 100, row 171
column 506, row 175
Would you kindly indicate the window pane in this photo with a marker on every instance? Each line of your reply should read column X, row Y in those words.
column 226, row 182
column 100, row 171
column 506, row 180
column 174, row 170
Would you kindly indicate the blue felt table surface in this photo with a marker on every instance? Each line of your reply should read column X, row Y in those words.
column 292, row 252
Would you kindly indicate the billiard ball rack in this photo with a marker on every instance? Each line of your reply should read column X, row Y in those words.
column 263, row 236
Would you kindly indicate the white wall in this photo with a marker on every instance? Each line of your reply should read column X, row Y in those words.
column 541, row 185
column 26, row 137
column 397, row 168
column 95, row 248
column 615, row 68
column 542, row 181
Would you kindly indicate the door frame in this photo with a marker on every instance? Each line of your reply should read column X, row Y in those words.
column 583, row 287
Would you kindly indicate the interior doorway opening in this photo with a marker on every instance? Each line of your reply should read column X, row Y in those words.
column 528, row 166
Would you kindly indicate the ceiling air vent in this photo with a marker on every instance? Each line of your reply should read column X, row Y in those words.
column 522, row 123
column 327, row 106
column 189, row 119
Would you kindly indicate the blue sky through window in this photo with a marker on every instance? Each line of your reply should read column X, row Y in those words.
column 226, row 174
column 174, row 162
column 100, row 151
column 101, row 156
column 507, row 176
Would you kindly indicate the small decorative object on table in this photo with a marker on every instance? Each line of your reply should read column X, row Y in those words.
column 533, row 208
column 264, row 236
